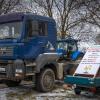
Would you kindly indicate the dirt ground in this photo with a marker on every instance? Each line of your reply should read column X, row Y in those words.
column 27, row 92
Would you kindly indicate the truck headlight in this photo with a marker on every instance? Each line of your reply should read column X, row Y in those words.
column 19, row 71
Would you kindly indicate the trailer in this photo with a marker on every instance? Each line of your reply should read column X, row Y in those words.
column 87, row 74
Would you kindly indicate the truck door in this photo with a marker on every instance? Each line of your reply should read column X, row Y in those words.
column 36, row 38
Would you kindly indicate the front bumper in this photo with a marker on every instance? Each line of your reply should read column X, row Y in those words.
column 8, row 71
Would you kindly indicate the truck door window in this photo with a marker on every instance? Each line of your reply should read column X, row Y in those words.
column 36, row 28
column 32, row 28
column 42, row 28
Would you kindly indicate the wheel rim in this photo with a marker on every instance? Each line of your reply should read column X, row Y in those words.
column 48, row 80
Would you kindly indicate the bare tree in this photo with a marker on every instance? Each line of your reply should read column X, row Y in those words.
column 92, row 14
column 47, row 5
column 63, row 10
column 7, row 5
column 98, row 39
column 69, row 15
column 92, row 11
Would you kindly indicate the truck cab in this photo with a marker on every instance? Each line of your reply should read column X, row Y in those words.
column 25, row 36
column 25, row 40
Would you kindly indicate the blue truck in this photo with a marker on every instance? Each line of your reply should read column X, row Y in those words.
column 28, row 51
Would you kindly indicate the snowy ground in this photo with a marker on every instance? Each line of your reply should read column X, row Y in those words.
column 26, row 92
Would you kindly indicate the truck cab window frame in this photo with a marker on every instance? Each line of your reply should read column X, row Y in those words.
column 37, row 28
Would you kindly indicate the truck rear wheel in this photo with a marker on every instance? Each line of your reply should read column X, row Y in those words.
column 45, row 80
column 11, row 83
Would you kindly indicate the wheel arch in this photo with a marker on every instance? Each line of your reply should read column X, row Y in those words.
column 46, row 60
column 52, row 66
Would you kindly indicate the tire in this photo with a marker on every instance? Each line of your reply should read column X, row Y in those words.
column 11, row 83
column 77, row 91
column 45, row 80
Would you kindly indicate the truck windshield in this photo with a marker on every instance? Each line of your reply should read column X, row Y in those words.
column 10, row 30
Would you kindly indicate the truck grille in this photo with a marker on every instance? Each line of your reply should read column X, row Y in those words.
column 6, row 51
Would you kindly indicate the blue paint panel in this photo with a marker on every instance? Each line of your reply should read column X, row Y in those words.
column 31, row 49
column 52, row 36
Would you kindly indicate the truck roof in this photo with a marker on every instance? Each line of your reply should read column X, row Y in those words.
column 19, row 16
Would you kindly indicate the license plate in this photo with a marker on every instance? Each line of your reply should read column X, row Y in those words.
column 2, row 69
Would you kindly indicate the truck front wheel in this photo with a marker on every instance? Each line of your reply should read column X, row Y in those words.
column 11, row 83
column 45, row 80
